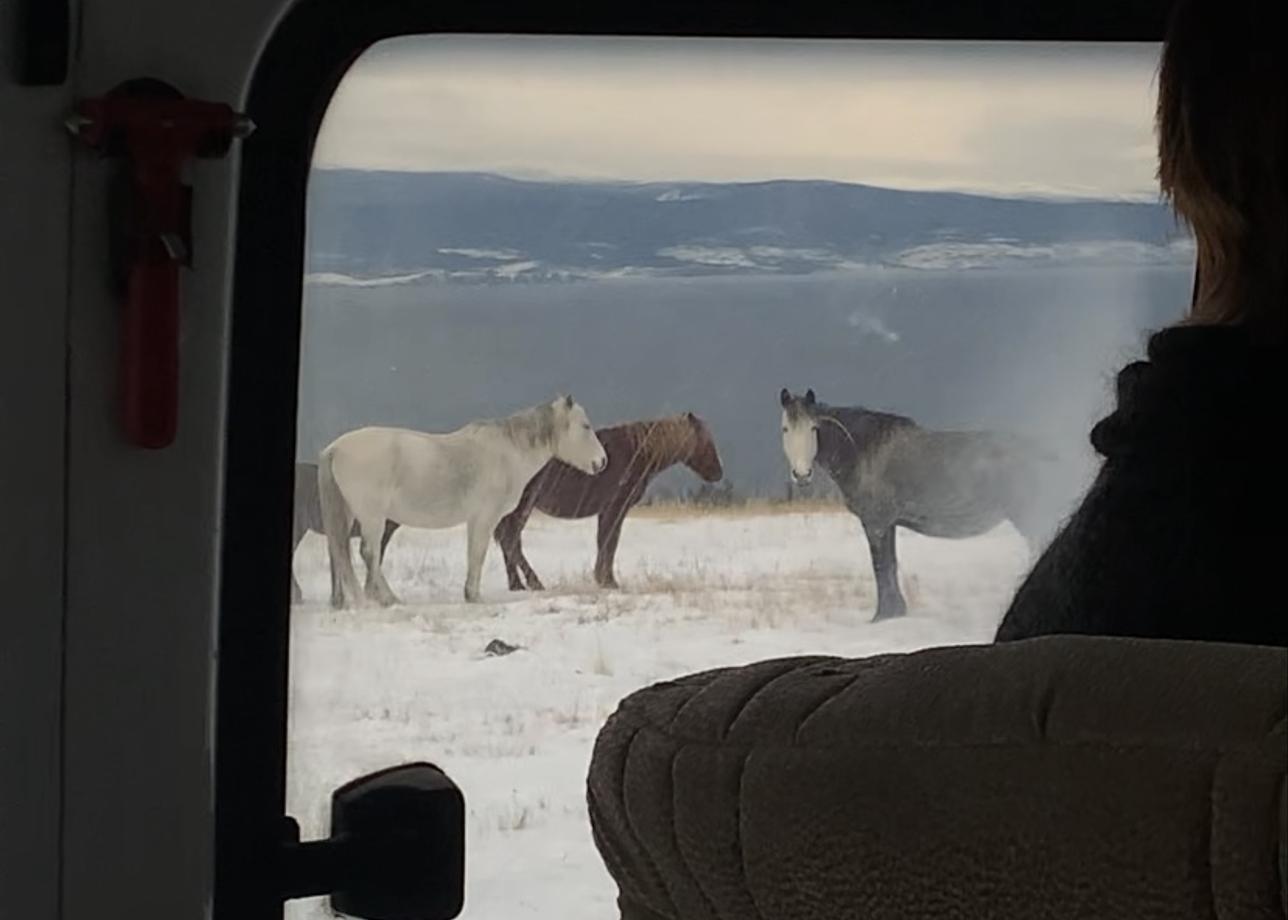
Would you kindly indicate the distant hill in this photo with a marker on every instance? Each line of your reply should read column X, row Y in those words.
column 467, row 227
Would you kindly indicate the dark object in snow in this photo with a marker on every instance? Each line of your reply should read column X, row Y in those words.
column 498, row 647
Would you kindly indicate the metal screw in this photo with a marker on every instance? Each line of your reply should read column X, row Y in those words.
column 174, row 247
column 76, row 124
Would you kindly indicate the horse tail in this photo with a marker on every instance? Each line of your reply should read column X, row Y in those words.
column 337, row 520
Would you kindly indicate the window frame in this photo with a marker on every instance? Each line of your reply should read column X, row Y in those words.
column 288, row 97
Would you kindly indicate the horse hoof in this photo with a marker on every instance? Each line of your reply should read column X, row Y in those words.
column 535, row 585
column 518, row 586
column 889, row 615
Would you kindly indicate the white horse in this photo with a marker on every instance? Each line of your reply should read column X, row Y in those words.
column 474, row 475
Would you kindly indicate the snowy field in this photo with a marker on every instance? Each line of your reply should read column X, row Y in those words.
column 374, row 687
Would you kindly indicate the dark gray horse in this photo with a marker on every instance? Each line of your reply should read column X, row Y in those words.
column 894, row 473
column 308, row 516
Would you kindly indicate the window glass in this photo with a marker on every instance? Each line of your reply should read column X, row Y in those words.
column 957, row 237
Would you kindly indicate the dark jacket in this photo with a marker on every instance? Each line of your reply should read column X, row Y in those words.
column 1182, row 533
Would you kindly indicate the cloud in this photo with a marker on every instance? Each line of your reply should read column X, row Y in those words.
column 991, row 118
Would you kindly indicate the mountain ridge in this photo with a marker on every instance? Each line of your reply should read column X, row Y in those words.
column 367, row 225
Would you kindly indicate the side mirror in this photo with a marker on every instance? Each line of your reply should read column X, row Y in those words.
column 396, row 850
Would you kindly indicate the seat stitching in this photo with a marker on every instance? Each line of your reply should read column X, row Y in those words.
column 658, row 878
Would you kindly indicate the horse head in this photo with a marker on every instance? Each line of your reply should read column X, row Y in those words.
column 575, row 441
column 800, row 433
column 703, row 458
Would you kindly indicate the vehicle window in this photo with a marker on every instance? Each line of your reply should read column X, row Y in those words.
column 710, row 351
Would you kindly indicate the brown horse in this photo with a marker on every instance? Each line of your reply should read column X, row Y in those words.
column 637, row 452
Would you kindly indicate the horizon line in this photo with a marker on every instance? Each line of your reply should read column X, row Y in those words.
column 534, row 177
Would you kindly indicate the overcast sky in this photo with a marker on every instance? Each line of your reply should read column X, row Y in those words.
column 993, row 118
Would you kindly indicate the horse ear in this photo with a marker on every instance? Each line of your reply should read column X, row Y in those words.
column 809, row 397
column 784, row 397
column 568, row 401
column 693, row 419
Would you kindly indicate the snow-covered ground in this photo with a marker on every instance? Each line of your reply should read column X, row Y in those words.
column 374, row 687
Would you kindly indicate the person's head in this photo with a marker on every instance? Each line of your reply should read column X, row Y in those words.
column 1223, row 152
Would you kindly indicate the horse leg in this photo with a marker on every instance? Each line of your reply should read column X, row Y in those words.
column 345, row 580
column 337, row 521
column 337, row 583
column 534, row 583
column 298, row 529
column 885, row 568
column 478, row 535
column 297, row 594
column 520, row 564
column 377, row 588
column 337, row 589
column 520, row 561
column 391, row 528
column 508, row 536
column 610, row 531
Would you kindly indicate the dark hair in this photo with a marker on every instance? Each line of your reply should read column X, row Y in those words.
column 1222, row 155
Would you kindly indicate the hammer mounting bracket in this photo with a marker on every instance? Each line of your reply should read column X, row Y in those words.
column 156, row 130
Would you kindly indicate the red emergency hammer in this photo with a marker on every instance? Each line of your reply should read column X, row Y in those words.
column 158, row 131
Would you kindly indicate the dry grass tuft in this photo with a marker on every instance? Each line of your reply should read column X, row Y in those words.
column 755, row 507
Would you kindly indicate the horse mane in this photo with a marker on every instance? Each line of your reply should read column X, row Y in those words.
column 533, row 427
column 860, row 428
column 664, row 440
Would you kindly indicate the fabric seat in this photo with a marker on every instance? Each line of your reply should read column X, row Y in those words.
column 1051, row 778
